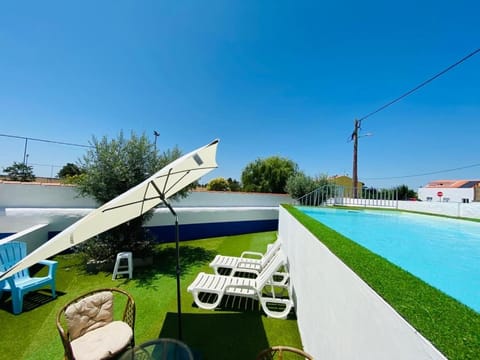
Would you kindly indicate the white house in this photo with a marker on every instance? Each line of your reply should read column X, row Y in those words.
column 463, row 191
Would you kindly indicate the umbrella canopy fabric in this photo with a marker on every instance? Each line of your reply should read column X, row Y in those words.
column 129, row 205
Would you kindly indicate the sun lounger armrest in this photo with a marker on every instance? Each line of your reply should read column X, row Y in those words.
column 52, row 266
column 251, row 253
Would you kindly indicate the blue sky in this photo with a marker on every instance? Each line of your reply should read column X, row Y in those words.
column 283, row 78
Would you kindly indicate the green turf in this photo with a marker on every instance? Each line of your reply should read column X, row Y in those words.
column 451, row 326
column 212, row 334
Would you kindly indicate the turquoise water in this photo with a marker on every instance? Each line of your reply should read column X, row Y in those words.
column 443, row 252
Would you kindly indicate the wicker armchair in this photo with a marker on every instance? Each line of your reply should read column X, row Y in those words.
column 92, row 327
column 283, row 352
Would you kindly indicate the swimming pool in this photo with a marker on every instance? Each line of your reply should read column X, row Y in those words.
column 443, row 252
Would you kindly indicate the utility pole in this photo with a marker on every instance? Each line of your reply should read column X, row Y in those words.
column 354, row 138
column 355, row 154
column 25, row 152
column 156, row 134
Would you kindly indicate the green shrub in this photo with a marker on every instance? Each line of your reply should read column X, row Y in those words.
column 110, row 168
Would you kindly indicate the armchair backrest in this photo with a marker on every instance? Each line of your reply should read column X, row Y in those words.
column 89, row 313
column 94, row 310
column 10, row 254
column 279, row 352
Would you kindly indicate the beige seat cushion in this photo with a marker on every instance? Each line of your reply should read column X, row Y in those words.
column 89, row 313
column 103, row 342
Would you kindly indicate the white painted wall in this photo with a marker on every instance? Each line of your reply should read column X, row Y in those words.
column 449, row 194
column 339, row 315
column 36, row 195
column 466, row 210
column 24, row 205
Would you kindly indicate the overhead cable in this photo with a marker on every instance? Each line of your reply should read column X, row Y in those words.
column 423, row 174
column 420, row 85
column 44, row 140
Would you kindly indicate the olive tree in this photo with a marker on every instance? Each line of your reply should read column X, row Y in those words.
column 19, row 172
column 234, row 185
column 268, row 175
column 110, row 168
column 218, row 184
column 69, row 170
column 300, row 184
column 405, row 193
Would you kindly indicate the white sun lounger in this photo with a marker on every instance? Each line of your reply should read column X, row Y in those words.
column 248, row 261
column 208, row 290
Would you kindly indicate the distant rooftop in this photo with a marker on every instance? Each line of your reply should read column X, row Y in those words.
column 466, row 184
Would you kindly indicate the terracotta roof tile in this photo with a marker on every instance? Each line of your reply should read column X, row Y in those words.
column 452, row 183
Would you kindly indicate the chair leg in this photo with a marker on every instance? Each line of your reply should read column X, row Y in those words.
column 276, row 313
column 206, row 305
column 17, row 301
column 130, row 266
column 54, row 289
column 115, row 269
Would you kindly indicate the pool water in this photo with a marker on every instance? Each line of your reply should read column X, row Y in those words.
column 443, row 252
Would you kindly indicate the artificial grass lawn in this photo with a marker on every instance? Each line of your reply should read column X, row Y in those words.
column 212, row 334
column 451, row 326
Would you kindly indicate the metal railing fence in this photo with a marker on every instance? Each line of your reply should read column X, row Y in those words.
column 329, row 195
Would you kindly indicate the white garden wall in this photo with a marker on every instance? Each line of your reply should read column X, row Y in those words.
column 339, row 315
column 36, row 195
column 39, row 195
column 458, row 209
column 201, row 214
column 470, row 210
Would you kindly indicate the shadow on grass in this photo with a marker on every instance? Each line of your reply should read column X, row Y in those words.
column 164, row 262
column 219, row 335
column 242, row 304
column 31, row 300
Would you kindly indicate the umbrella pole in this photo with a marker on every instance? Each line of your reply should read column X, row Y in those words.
column 177, row 247
column 179, row 302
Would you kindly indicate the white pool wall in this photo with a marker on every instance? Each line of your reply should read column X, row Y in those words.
column 339, row 316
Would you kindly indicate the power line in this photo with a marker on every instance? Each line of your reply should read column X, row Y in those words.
column 424, row 174
column 358, row 123
column 420, row 85
column 48, row 165
column 46, row 141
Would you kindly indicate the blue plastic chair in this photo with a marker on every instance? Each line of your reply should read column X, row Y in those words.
column 21, row 283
